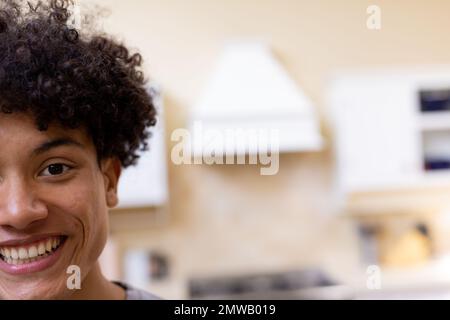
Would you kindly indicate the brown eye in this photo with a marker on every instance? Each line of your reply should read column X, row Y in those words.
column 55, row 169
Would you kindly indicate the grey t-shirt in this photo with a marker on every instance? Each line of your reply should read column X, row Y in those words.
column 136, row 294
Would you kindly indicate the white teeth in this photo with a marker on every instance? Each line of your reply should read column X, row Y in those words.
column 41, row 248
column 14, row 254
column 32, row 252
column 48, row 245
column 23, row 253
column 7, row 253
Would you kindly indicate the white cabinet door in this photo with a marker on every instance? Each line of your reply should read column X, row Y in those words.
column 145, row 185
column 375, row 122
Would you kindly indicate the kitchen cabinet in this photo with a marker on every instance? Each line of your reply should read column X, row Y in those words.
column 386, row 132
column 145, row 185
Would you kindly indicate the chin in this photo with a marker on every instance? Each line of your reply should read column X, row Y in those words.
column 38, row 290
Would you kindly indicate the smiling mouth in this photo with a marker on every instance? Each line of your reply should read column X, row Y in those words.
column 24, row 254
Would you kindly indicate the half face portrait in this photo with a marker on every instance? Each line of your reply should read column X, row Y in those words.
column 74, row 112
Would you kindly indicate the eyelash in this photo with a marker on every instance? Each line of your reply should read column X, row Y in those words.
column 56, row 175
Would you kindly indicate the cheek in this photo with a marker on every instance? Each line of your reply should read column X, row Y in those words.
column 92, row 212
column 86, row 207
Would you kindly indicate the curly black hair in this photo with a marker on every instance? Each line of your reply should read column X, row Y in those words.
column 59, row 74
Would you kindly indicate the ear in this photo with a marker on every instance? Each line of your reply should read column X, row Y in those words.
column 111, row 170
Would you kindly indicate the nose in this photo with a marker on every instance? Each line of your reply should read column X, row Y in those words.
column 19, row 206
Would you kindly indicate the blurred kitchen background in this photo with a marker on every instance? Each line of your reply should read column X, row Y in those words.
column 360, row 206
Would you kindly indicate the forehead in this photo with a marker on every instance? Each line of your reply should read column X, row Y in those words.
column 20, row 130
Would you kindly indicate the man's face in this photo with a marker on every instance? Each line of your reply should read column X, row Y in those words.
column 54, row 203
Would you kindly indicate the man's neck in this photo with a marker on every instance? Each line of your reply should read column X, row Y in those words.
column 96, row 287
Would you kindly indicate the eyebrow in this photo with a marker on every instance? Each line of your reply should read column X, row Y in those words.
column 48, row 145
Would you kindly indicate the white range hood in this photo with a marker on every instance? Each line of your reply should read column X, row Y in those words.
column 250, row 90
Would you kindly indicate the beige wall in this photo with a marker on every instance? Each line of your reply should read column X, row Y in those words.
column 231, row 219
